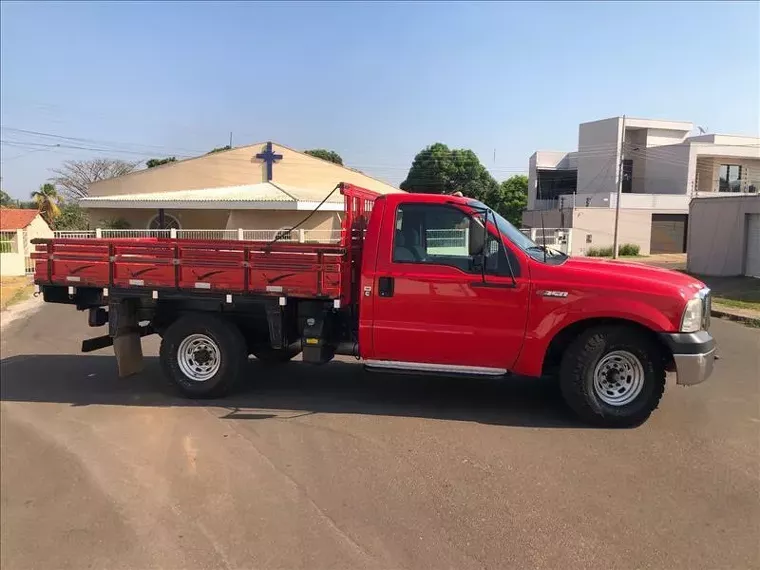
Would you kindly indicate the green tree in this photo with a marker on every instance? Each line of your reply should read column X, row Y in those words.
column 5, row 200
column 153, row 162
column 510, row 198
column 47, row 200
column 324, row 154
column 73, row 217
column 440, row 170
column 219, row 149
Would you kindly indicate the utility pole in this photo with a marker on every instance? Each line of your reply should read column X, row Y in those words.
column 619, row 192
column 230, row 139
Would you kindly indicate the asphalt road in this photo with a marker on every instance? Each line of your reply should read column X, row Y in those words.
column 334, row 468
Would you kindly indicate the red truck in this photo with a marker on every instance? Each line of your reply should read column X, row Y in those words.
column 428, row 284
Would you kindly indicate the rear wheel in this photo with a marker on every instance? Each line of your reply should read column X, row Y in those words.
column 613, row 376
column 203, row 356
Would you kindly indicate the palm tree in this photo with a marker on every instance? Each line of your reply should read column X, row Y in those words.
column 46, row 199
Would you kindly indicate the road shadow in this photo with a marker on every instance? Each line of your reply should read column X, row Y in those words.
column 339, row 387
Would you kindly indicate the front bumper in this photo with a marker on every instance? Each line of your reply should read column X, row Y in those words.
column 693, row 354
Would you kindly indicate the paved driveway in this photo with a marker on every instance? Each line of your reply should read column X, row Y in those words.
column 333, row 468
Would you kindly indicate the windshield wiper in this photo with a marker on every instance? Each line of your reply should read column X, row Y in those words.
column 545, row 249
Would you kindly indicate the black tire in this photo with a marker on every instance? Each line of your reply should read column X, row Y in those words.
column 269, row 355
column 232, row 355
column 579, row 364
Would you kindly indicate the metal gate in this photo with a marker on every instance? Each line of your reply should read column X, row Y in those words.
column 669, row 233
column 555, row 238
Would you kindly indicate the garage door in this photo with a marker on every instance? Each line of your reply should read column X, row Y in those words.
column 752, row 265
column 669, row 233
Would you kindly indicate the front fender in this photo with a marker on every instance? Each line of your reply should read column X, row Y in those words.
column 551, row 315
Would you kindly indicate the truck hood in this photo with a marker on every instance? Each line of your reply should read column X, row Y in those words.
column 627, row 274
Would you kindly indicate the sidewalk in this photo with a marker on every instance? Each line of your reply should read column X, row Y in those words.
column 750, row 317
column 674, row 261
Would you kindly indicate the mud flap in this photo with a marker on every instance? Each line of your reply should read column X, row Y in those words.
column 124, row 327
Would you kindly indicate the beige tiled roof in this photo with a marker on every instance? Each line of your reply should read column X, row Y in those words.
column 265, row 195
column 264, row 191
column 310, row 194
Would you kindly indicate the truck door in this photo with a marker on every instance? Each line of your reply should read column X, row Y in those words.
column 432, row 306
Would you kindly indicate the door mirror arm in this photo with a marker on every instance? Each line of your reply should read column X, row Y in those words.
column 479, row 258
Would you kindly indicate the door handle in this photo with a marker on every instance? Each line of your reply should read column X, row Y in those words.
column 385, row 286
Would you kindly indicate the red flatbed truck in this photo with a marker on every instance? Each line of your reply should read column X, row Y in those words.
column 429, row 284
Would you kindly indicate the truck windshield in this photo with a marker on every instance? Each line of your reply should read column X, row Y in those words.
column 514, row 235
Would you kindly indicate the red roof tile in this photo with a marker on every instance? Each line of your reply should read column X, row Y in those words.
column 12, row 219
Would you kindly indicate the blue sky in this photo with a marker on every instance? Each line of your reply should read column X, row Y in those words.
column 374, row 81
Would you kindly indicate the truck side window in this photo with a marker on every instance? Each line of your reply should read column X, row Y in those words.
column 440, row 235
column 431, row 233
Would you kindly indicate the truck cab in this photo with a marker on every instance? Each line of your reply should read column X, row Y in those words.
column 452, row 287
column 428, row 284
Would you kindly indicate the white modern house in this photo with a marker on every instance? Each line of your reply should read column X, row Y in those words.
column 662, row 167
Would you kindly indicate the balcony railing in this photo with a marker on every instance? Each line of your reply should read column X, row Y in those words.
column 639, row 201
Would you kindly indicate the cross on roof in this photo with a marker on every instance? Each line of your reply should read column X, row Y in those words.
column 270, row 157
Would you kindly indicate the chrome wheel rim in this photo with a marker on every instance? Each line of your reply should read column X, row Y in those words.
column 618, row 378
column 198, row 357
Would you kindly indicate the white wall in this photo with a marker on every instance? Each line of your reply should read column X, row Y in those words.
column 598, row 155
column 717, row 233
column 38, row 228
column 726, row 140
column 660, row 137
column 554, row 159
column 12, row 264
column 669, row 169
column 532, row 181
column 274, row 220
column 635, row 226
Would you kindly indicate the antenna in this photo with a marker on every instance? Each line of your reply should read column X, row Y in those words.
column 543, row 234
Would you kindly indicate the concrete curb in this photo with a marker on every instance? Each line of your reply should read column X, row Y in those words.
column 721, row 314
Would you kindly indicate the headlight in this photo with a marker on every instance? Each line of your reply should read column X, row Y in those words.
column 692, row 316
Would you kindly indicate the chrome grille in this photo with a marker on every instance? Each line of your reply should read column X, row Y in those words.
column 706, row 306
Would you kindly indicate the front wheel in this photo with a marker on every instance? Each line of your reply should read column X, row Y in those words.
column 613, row 376
column 203, row 356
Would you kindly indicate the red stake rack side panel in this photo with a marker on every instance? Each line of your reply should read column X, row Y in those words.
column 358, row 203
column 261, row 268
column 295, row 270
